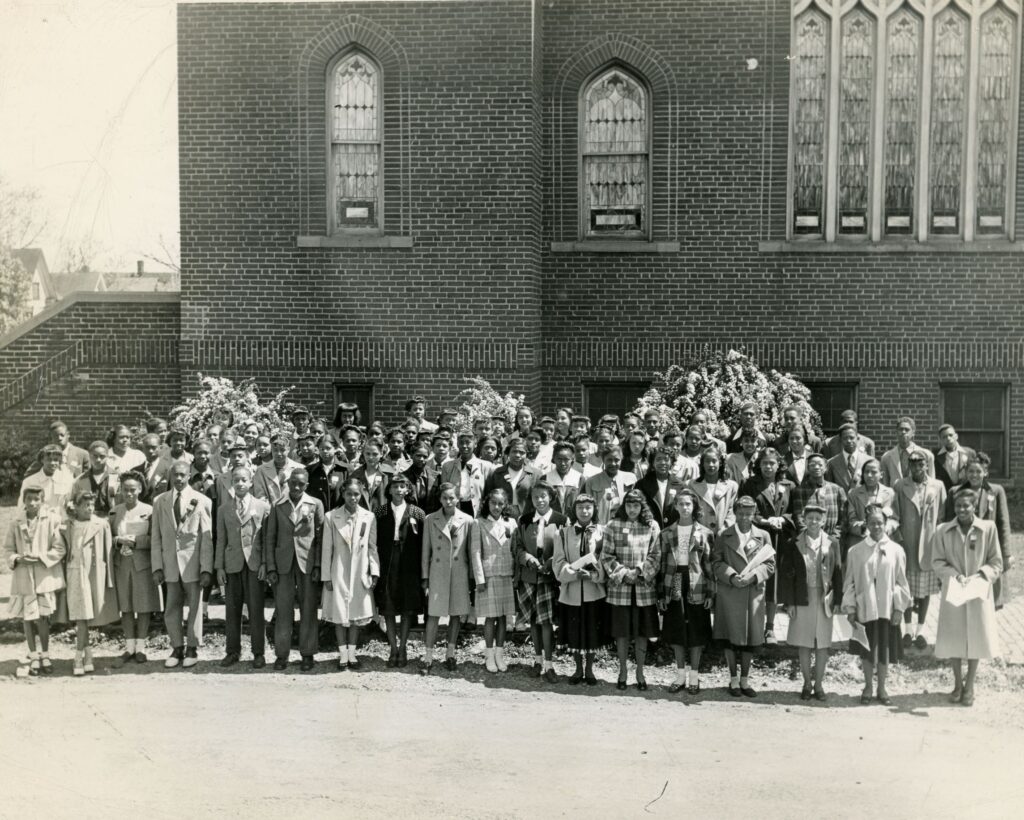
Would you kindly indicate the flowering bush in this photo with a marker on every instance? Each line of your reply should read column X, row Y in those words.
column 16, row 454
column 480, row 400
column 221, row 401
column 719, row 383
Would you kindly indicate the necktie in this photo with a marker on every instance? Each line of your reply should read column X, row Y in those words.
column 240, row 507
column 904, row 462
column 178, row 512
column 852, row 468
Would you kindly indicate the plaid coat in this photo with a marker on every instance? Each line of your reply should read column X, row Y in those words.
column 630, row 546
column 828, row 495
column 702, row 579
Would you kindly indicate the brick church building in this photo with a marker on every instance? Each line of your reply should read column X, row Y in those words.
column 565, row 196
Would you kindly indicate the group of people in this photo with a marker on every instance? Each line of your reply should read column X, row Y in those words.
column 618, row 533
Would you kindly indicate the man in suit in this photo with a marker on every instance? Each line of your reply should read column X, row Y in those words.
column 516, row 479
column 74, row 458
column 749, row 417
column 181, row 544
column 53, row 478
column 609, row 486
column 951, row 458
column 468, row 474
column 241, row 569
column 815, row 490
column 98, row 480
column 845, row 469
column 793, row 418
column 423, row 479
column 700, row 419
column 294, row 532
column 271, row 479
column 326, row 476
column 565, row 481
column 582, row 448
column 895, row 462
column 660, row 488
column 834, row 444
column 533, row 546
column 155, row 469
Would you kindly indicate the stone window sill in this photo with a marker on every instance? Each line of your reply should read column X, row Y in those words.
column 891, row 246
column 355, row 241
column 614, row 246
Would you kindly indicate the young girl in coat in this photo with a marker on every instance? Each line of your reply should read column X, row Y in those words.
column 810, row 579
column 350, row 566
column 34, row 551
column 875, row 595
column 90, row 577
column 581, row 589
column 490, row 546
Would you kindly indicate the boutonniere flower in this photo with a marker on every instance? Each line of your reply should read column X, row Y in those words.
column 973, row 538
column 413, row 526
column 192, row 505
column 335, row 480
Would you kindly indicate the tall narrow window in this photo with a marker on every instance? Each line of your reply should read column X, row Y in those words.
column 615, row 121
column 949, row 116
column 855, row 121
column 995, row 90
column 902, row 95
column 810, row 67
column 355, row 143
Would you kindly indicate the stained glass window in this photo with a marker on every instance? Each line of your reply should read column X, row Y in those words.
column 615, row 154
column 355, row 142
column 995, row 89
column 810, row 101
column 902, row 115
column 856, row 66
column 949, row 119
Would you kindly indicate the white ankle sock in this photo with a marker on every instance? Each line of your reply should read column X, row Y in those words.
column 129, row 645
column 734, row 681
column 545, row 665
column 744, row 682
column 681, row 675
column 351, row 652
column 912, row 629
column 342, row 654
column 538, row 660
column 428, row 654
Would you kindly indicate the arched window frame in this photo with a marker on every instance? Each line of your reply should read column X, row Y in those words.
column 333, row 226
column 585, row 229
column 923, row 229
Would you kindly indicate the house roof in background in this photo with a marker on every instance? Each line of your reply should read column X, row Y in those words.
column 88, row 281
column 34, row 261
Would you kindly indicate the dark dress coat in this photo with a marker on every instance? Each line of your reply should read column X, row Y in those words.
column 399, row 588
column 327, row 486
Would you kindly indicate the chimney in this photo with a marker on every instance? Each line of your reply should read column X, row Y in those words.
column 140, row 268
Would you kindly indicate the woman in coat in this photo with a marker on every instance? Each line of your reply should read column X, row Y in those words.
column 631, row 558
column 770, row 489
column 875, row 595
column 350, row 568
column 581, row 587
column 991, row 506
column 687, row 589
column 374, row 475
column 400, row 527
column 870, row 492
column 137, row 594
column 810, row 583
column 445, row 572
column 739, row 596
column 966, row 551
column 717, row 494
column 494, row 571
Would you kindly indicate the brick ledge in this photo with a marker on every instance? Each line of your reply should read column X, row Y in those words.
column 911, row 246
column 367, row 241
column 614, row 246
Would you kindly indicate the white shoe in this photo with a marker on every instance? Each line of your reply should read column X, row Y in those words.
column 499, row 659
column 89, row 667
column 171, row 661
column 78, row 670
column 188, row 662
column 489, row 661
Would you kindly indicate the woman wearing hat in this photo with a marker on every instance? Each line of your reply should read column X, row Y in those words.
column 687, row 589
column 577, row 566
column 631, row 558
column 743, row 560
column 810, row 583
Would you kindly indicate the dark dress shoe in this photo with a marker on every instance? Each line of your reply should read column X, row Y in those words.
column 450, row 664
column 907, row 641
column 968, row 698
column 621, row 684
column 140, row 657
column 883, row 698
column 590, row 679
column 820, row 695
column 425, row 668
column 355, row 664
column 229, row 660
column 576, row 678
column 392, row 659
column 403, row 659
column 258, row 662
column 280, row 664
column 641, row 685
column 956, row 695
column 748, row 692
column 865, row 698
column 307, row 663
column 805, row 693
column 534, row 671
column 694, row 689
column 127, row 656
column 920, row 642
column 676, row 687
column 551, row 676
column 734, row 691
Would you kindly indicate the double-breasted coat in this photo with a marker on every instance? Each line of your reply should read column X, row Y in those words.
column 399, row 589
column 294, row 534
column 716, row 502
column 33, row 584
column 791, row 570
column 662, row 508
column 919, row 510
column 349, row 561
column 857, row 503
column 492, row 549
column 967, row 631
column 89, row 571
column 326, row 483
column 445, row 563
column 375, row 487
column 239, row 541
column 740, row 611
column 472, row 480
column 183, row 551
column 519, row 499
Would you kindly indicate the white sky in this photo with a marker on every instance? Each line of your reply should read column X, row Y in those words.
column 88, row 106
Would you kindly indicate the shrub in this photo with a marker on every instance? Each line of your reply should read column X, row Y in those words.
column 719, row 383
column 17, row 453
column 221, row 401
column 480, row 400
